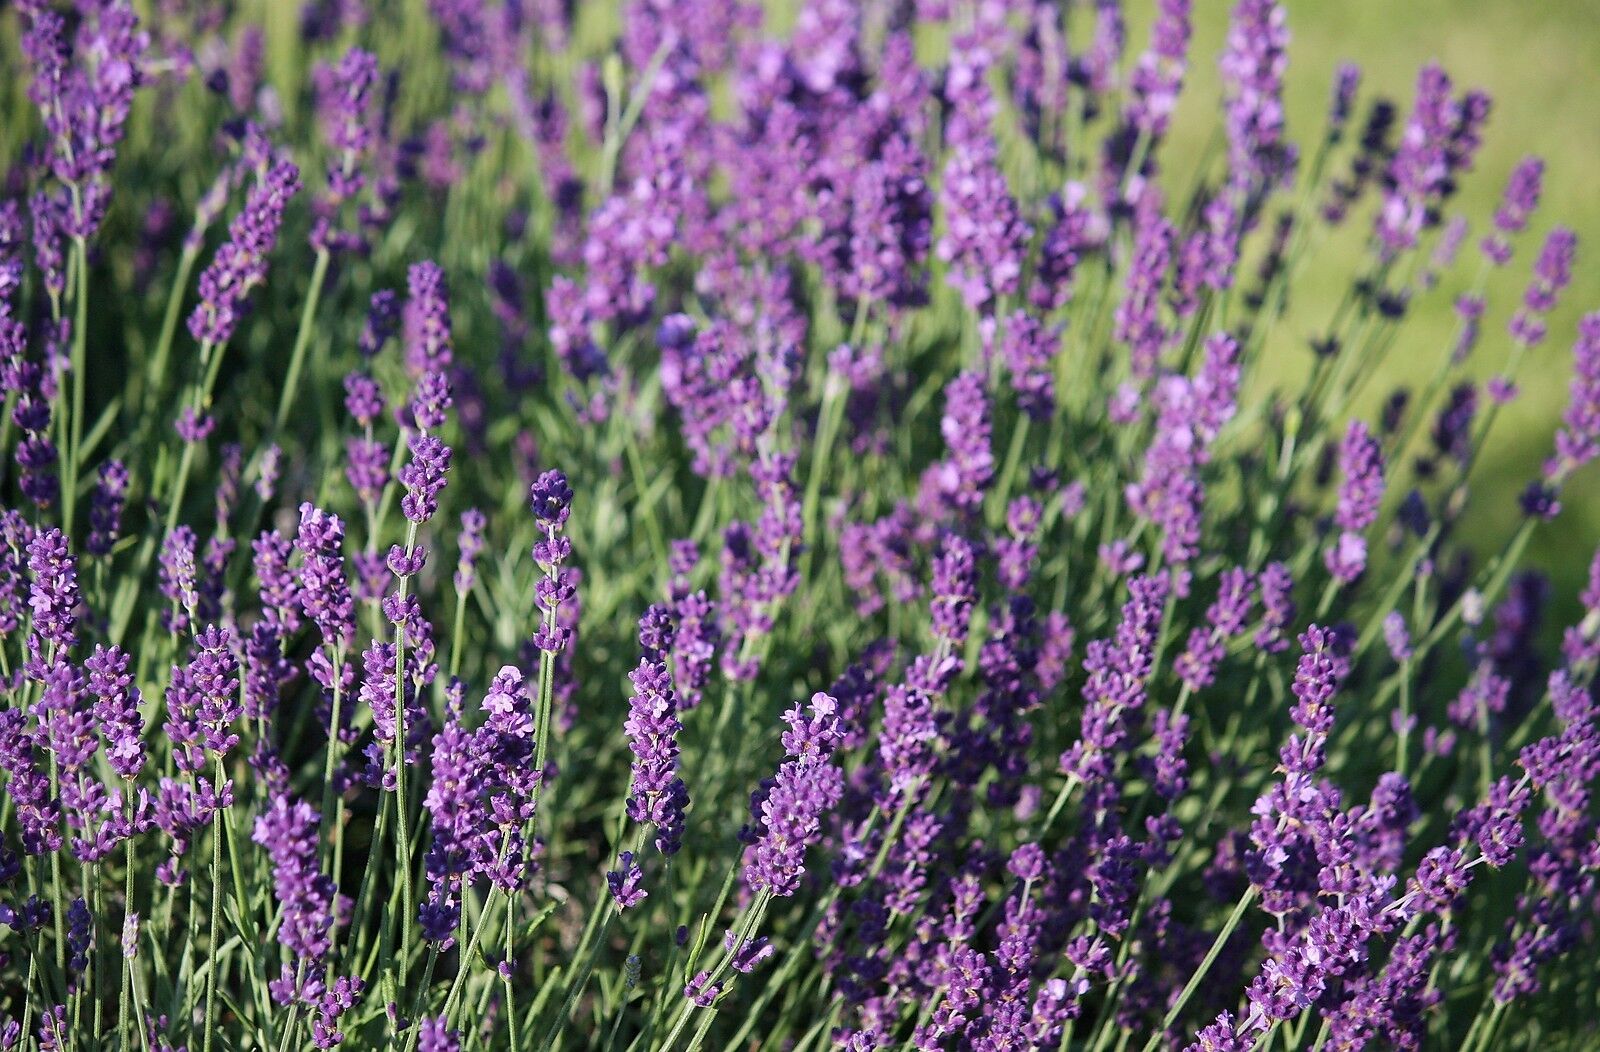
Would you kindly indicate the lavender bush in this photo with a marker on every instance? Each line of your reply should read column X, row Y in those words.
column 694, row 527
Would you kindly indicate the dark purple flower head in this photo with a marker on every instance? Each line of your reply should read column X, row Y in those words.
column 424, row 477
column 324, row 590
column 363, row 399
column 105, row 507
column 1438, row 144
column 383, row 321
column 623, row 882
column 1496, row 823
column 1346, row 82
column 53, row 596
column 551, row 499
column 435, row 1035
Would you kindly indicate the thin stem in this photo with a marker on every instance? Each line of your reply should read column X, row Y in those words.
column 1200, row 973
column 80, row 327
column 216, row 916
column 302, row 341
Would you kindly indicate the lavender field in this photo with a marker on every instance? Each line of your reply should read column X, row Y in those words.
column 683, row 525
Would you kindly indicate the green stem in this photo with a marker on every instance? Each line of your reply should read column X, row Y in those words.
column 1200, row 973
column 216, row 916
column 127, row 964
column 302, row 341
column 169, row 329
column 80, row 328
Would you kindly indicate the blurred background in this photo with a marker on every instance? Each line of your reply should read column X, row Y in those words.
column 1539, row 61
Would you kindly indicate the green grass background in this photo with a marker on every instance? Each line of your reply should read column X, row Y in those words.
column 1540, row 60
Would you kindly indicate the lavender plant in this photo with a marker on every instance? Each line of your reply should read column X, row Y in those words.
column 691, row 524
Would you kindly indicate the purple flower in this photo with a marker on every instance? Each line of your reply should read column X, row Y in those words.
column 1277, row 608
column 1138, row 318
column 105, row 508
column 287, row 829
column 279, row 591
column 434, row 1035
column 1438, row 144
column 1516, row 207
column 508, row 781
column 695, row 644
column 241, row 263
column 117, row 710
column 1551, row 273
column 624, row 882
column 382, row 322
column 1118, row 669
column 1074, row 231
column 84, row 90
column 1496, row 823
column 367, row 469
column 1361, row 463
column 1157, row 80
column 203, row 701
column 891, row 227
column 424, row 477
column 425, row 320
column 1222, row 1036
column 786, row 814
column 965, row 474
column 954, row 591
column 985, row 236
column 178, row 578
column 656, row 795
column 456, row 815
column 1578, row 441
column 1029, row 347
column 324, row 591
column 551, row 500
column 1225, row 619
column 344, row 105
column 1397, row 637
column 470, row 541
column 53, row 596
column 1252, row 64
